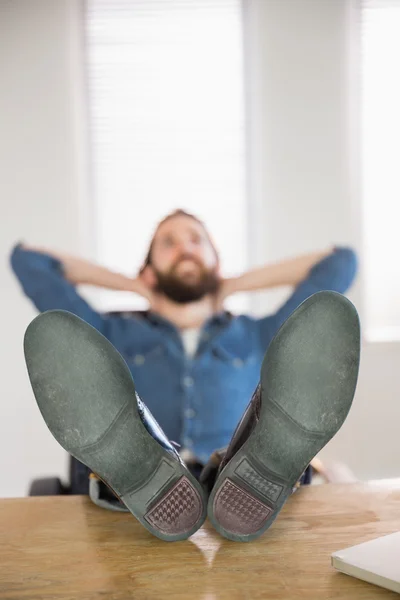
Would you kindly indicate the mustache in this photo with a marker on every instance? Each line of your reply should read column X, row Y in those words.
column 187, row 257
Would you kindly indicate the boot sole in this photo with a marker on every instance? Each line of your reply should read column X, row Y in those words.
column 86, row 395
column 308, row 379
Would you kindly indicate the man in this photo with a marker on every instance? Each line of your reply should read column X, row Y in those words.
column 194, row 364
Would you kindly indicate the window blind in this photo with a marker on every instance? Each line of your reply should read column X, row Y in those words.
column 167, row 126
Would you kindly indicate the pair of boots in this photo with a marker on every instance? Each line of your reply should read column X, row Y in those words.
column 87, row 397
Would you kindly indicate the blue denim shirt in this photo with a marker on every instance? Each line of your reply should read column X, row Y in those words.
column 197, row 401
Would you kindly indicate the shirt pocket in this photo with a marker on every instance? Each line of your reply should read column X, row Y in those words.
column 145, row 356
column 236, row 359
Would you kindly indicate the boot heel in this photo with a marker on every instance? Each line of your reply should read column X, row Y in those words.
column 178, row 510
column 239, row 512
column 170, row 506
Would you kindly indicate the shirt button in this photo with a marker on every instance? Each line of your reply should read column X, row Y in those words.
column 138, row 359
column 190, row 413
column 237, row 362
column 188, row 381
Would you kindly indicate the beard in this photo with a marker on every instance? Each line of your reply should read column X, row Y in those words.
column 184, row 289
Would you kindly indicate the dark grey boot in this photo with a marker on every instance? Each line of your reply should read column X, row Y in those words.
column 308, row 380
column 87, row 397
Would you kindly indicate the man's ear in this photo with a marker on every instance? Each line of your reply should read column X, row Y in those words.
column 148, row 276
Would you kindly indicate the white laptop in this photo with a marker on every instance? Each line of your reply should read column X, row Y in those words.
column 376, row 561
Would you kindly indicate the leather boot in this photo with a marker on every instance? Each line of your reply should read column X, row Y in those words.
column 87, row 397
column 307, row 384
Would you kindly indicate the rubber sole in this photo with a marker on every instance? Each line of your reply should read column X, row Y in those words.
column 308, row 380
column 86, row 394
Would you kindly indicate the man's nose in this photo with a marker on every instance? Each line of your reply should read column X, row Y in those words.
column 186, row 247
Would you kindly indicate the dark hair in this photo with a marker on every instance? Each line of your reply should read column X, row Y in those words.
column 179, row 212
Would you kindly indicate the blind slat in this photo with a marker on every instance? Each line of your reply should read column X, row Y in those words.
column 167, row 125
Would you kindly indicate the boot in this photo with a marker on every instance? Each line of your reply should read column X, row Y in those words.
column 87, row 397
column 307, row 384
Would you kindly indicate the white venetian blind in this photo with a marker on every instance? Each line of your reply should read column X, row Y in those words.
column 381, row 170
column 166, row 110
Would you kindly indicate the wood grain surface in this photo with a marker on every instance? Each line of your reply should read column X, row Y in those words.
column 67, row 548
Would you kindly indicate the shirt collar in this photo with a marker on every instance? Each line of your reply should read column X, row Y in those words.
column 219, row 318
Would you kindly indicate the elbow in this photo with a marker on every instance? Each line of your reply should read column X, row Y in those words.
column 336, row 271
column 347, row 267
column 15, row 257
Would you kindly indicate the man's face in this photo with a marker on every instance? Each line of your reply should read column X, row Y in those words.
column 184, row 261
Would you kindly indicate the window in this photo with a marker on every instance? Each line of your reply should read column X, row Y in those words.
column 167, row 127
column 381, row 172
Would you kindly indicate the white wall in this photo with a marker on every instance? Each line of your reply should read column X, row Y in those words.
column 40, row 190
column 304, row 78
column 301, row 96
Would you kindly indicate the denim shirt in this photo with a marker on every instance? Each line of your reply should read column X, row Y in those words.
column 197, row 400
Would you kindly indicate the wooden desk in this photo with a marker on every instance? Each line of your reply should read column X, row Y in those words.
column 67, row 548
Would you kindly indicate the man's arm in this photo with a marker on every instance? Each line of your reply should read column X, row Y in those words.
column 286, row 272
column 43, row 278
column 80, row 271
column 335, row 272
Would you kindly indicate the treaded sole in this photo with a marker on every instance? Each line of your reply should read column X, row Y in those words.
column 308, row 380
column 86, row 395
